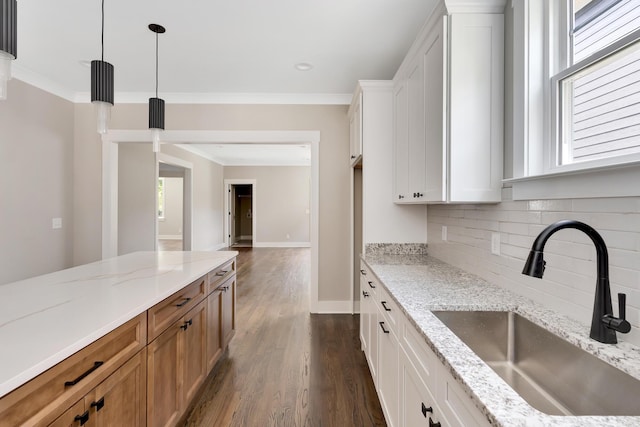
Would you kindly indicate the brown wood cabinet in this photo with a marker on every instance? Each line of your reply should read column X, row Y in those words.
column 145, row 372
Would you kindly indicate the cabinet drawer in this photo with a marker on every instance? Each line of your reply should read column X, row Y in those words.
column 388, row 308
column 45, row 397
column 368, row 282
column 424, row 360
column 220, row 274
column 163, row 314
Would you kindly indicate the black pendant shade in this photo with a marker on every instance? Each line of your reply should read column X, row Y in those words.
column 156, row 105
column 156, row 113
column 9, row 27
column 101, row 81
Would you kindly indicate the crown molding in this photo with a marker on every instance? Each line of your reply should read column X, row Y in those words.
column 38, row 80
column 228, row 98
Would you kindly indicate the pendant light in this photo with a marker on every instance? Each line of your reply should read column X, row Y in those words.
column 8, row 42
column 102, row 85
column 156, row 105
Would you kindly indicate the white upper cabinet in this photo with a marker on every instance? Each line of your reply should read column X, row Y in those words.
column 355, row 129
column 448, row 110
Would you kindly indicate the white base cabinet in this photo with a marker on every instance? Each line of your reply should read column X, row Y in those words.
column 414, row 387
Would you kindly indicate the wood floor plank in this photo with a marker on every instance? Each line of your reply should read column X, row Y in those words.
column 285, row 367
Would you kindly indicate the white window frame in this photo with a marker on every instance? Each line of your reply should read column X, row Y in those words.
column 541, row 50
column 164, row 198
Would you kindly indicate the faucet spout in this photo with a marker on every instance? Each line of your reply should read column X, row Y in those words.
column 603, row 324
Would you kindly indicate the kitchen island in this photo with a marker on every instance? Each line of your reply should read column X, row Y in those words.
column 47, row 320
column 420, row 284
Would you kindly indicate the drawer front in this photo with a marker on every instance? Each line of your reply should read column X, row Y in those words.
column 368, row 282
column 388, row 308
column 217, row 276
column 424, row 360
column 42, row 399
column 163, row 314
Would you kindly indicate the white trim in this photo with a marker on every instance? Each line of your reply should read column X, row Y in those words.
column 281, row 244
column 110, row 211
column 37, row 80
column 170, row 236
column 219, row 98
column 254, row 191
column 335, row 307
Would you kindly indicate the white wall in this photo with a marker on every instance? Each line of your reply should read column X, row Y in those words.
column 281, row 200
column 36, row 183
column 171, row 225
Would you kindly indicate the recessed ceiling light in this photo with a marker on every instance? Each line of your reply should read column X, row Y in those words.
column 303, row 66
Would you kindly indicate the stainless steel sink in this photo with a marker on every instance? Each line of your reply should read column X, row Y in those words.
column 551, row 374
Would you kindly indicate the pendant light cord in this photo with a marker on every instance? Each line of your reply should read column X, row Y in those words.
column 156, row 65
column 102, row 32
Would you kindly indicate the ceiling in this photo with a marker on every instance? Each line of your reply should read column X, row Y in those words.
column 217, row 51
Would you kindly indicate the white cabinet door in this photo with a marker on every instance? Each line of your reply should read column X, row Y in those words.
column 365, row 303
column 476, row 107
column 416, row 134
column 388, row 370
column 401, row 144
column 435, row 88
column 417, row 403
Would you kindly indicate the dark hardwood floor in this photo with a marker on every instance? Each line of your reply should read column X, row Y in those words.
column 285, row 367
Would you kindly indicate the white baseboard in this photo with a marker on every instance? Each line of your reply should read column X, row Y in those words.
column 281, row 244
column 170, row 236
column 218, row 247
column 335, row 307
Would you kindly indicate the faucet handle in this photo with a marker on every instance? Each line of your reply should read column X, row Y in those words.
column 622, row 306
column 619, row 324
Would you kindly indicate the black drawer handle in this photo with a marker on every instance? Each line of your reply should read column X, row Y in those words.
column 386, row 331
column 95, row 366
column 384, row 304
column 222, row 273
column 371, row 285
column 365, row 294
column 186, row 324
column 184, row 302
column 364, row 273
column 98, row 405
column 432, row 424
column 82, row 418
column 425, row 410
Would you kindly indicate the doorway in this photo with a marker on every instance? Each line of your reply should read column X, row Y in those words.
column 240, row 216
column 240, row 207
column 170, row 207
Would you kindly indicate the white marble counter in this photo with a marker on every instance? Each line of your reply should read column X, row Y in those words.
column 420, row 283
column 45, row 319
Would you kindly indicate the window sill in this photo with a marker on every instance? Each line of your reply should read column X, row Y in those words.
column 605, row 181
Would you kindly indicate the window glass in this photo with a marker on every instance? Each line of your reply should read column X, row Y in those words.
column 161, row 197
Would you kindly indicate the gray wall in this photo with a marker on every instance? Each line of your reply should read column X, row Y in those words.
column 172, row 223
column 281, row 197
column 36, row 182
column 136, row 198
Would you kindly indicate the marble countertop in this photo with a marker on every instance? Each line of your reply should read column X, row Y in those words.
column 45, row 319
column 420, row 284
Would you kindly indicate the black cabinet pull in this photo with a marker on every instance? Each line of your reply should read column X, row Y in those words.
column 400, row 196
column 371, row 285
column 82, row 418
column 364, row 273
column 98, row 405
column 425, row 410
column 186, row 324
column 353, row 157
column 386, row 331
column 222, row 273
column 365, row 294
column 384, row 304
column 95, row 366
column 432, row 424
column 184, row 302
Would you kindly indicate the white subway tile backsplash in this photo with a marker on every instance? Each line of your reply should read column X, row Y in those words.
column 569, row 282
